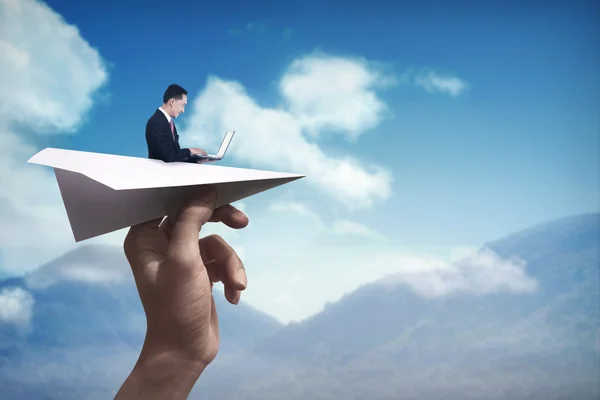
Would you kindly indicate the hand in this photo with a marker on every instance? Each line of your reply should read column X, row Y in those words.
column 198, row 151
column 174, row 272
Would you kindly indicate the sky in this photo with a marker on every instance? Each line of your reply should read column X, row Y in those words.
column 423, row 131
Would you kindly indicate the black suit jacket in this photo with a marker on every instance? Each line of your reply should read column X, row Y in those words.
column 161, row 145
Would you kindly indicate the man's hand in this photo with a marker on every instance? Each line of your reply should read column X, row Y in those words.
column 198, row 151
column 174, row 272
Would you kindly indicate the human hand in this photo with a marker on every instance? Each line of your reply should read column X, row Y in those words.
column 174, row 272
column 198, row 151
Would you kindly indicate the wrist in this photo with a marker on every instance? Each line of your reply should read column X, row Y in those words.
column 157, row 364
column 161, row 375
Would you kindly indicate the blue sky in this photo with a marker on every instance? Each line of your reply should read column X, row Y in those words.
column 518, row 145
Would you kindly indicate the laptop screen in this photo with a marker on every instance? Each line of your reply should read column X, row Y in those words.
column 225, row 143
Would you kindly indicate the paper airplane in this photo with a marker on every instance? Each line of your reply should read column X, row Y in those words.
column 103, row 193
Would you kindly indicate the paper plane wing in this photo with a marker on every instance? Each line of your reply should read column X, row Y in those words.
column 103, row 193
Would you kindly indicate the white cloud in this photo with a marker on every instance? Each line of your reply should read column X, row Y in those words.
column 93, row 270
column 481, row 272
column 16, row 306
column 345, row 227
column 296, row 207
column 91, row 263
column 339, row 227
column 49, row 76
column 337, row 93
column 274, row 138
column 432, row 81
column 49, row 72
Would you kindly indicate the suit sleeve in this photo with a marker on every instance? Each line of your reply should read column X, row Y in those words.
column 162, row 146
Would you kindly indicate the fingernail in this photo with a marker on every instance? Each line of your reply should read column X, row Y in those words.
column 240, row 276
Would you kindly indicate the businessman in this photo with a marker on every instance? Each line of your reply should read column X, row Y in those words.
column 161, row 133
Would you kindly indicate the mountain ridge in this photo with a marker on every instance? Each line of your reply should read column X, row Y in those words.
column 376, row 342
column 541, row 337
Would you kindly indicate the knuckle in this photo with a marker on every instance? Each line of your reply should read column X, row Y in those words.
column 217, row 238
column 130, row 244
column 215, row 241
column 183, row 258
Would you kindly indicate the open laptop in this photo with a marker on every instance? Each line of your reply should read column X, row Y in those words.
column 222, row 149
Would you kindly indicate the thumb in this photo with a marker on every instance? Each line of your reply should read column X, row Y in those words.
column 192, row 215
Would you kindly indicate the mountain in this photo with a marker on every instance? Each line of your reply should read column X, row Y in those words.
column 387, row 341
column 88, row 325
column 493, row 331
column 563, row 256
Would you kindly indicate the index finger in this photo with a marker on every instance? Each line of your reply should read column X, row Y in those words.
column 230, row 216
column 183, row 244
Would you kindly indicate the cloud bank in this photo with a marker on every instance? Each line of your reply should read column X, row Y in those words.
column 335, row 93
column 89, row 264
column 16, row 306
column 481, row 272
column 432, row 81
column 49, row 77
column 49, row 72
column 317, row 100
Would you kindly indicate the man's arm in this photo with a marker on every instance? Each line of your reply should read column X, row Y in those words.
column 160, row 377
column 182, row 329
column 162, row 145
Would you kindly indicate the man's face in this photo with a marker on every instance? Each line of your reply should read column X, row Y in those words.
column 179, row 106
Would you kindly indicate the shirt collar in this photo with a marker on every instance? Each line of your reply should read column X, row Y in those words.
column 165, row 113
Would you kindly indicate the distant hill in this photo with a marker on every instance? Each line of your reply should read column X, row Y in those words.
column 380, row 342
column 383, row 342
column 564, row 256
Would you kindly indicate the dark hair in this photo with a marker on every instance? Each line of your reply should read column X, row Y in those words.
column 174, row 92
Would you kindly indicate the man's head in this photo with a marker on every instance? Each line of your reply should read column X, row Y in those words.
column 174, row 100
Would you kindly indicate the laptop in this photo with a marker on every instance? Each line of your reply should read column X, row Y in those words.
column 222, row 149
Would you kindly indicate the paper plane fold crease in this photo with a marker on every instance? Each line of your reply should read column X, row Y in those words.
column 103, row 193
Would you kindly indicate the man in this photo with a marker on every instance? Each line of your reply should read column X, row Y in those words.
column 161, row 134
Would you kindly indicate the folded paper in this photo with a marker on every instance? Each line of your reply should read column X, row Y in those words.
column 103, row 193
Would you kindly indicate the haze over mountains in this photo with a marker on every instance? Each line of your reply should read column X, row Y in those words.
column 385, row 340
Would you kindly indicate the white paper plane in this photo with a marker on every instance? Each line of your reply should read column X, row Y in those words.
column 103, row 193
